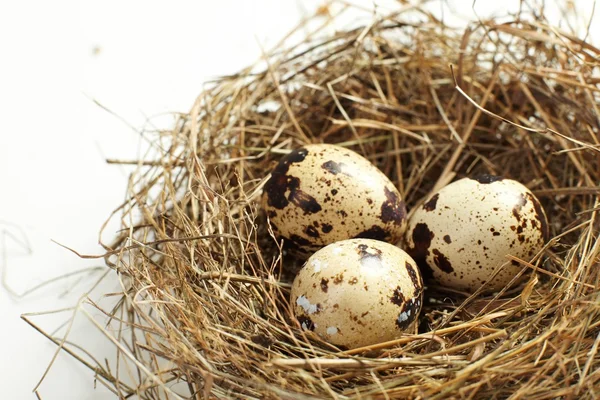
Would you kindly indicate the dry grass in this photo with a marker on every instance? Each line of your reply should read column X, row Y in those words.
column 205, row 286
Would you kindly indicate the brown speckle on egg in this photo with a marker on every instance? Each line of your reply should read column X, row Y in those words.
column 276, row 187
column 431, row 204
column 333, row 167
column 397, row 297
column 311, row 231
column 303, row 201
column 408, row 312
column 441, row 261
column 393, row 209
column 326, row 228
column 419, row 250
column 324, row 284
column 339, row 278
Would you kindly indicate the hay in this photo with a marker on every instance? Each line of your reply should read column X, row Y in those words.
column 205, row 283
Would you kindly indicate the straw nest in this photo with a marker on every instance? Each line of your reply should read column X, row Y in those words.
column 206, row 285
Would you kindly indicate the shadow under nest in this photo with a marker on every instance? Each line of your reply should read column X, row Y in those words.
column 207, row 286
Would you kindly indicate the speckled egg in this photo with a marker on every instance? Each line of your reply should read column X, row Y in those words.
column 357, row 292
column 321, row 193
column 464, row 232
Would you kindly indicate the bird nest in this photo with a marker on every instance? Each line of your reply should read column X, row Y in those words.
column 206, row 284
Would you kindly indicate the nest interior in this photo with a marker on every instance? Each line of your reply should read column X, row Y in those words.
column 206, row 285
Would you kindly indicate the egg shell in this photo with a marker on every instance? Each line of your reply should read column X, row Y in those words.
column 358, row 292
column 464, row 232
column 321, row 193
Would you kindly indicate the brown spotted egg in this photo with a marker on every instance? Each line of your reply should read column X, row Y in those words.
column 357, row 292
column 462, row 234
column 321, row 193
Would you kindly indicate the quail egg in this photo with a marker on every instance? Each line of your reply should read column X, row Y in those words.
column 462, row 234
column 321, row 193
column 357, row 292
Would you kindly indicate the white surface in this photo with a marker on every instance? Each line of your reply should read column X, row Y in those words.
column 151, row 57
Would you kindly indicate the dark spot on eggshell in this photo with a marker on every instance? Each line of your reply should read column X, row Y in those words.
column 393, row 209
column 540, row 216
column 306, row 323
column 343, row 213
column 365, row 252
column 369, row 200
column 414, row 276
column 408, row 312
column 515, row 263
column 277, row 185
column 516, row 214
column 324, row 285
column 374, row 232
column 432, row 203
column 334, row 167
column 300, row 199
column 334, row 192
column 312, row 231
column 364, row 314
column 487, row 178
column 275, row 189
column 447, row 239
column 421, row 236
column 326, row 228
column 442, row 261
column 397, row 297
column 355, row 319
column 337, row 279
column 353, row 281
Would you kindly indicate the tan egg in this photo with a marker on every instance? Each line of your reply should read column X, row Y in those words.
column 321, row 193
column 358, row 292
column 465, row 231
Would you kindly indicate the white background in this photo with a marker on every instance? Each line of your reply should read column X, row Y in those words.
column 139, row 59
